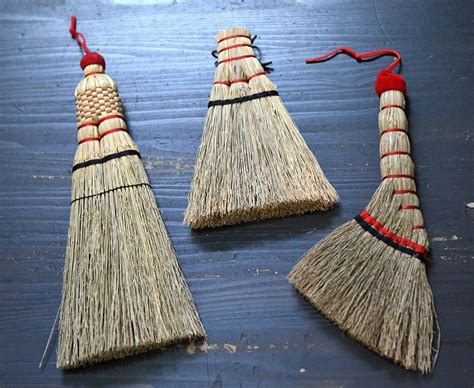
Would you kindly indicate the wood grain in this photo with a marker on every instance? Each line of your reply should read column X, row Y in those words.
column 159, row 54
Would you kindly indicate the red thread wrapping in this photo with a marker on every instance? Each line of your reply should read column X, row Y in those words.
column 87, row 124
column 110, row 117
column 394, row 153
column 237, row 58
column 386, row 80
column 257, row 75
column 394, row 130
column 234, row 46
column 233, row 36
column 404, row 192
column 113, row 130
column 392, row 236
column 416, row 227
column 398, row 176
column 392, row 106
column 409, row 207
column 86, row 139
column 228, row 83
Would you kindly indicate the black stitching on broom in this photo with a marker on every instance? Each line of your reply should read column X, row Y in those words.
column 105, row 159
column 109, row 191
column 268, row 93
column 367, row 227
column 258, row 56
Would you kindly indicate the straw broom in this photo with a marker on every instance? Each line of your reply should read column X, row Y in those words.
column 253, row 163
column 123, row 291
column 369, row 275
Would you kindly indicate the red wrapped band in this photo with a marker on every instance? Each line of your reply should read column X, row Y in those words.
column 87, row 124
column 386, row 80
column 394, row 153
column 110, row 117
column 246, row 80
column 409, row 207
column 86, row 139
column 113, row 130
column 234, row 36
column 234, row 46
column 392, row 236
column 392, row 106
column 398, row 176
column 393, row 130
column 236, row 58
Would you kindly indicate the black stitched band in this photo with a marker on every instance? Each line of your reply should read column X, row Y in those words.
column 366, row 226
column 105, row 159
column 238, row 100
column 109, row 191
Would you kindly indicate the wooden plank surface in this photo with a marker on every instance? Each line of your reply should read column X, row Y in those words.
column 261, row 332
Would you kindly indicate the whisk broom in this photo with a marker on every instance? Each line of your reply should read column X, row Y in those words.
column 123, row 291
column 369, row 275
column 253, row 163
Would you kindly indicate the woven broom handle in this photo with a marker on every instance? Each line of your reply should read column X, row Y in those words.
column 394, row 141
column 396, row 163
column 98, row 103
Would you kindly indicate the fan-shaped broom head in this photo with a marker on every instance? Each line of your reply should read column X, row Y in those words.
column 253, row 163
column 369, row 275
column 123, row 291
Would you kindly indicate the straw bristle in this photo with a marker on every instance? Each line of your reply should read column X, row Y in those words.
column 253, row 163
column 123, row 292
column 377, row 294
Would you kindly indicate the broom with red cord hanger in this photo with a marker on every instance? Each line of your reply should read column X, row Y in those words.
column 123, row 290
column 369, row 275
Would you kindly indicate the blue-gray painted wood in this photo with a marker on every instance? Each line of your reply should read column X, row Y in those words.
column 159, row 54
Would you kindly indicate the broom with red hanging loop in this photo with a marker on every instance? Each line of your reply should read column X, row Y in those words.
column 253, row 163
column 123, row 290
column 369, row 275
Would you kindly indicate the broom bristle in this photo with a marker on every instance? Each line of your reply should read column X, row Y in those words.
column 123, row 292
column 253, row 163
column 375, row 292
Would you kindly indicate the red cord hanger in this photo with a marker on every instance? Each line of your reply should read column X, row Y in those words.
column 386, row 80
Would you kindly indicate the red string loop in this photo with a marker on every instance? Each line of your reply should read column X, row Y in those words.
column 359, row 56
column 78, row 36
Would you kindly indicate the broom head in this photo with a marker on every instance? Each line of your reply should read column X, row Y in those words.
column 253, row 163
column 369, row 278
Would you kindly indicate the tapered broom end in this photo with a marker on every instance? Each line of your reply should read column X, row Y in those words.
column 374, row 289
column 253, row 164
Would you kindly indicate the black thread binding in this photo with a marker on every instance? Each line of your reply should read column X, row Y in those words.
column 109, row 191
column 105, row 159
column 366, row 226
column 238, row 100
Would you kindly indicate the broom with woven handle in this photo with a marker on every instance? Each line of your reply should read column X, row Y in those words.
column 253, row 163
column 369, row 275
column 123, row 291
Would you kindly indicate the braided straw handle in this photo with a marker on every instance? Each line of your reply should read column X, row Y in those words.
column 100, row 113
column 396, row 163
